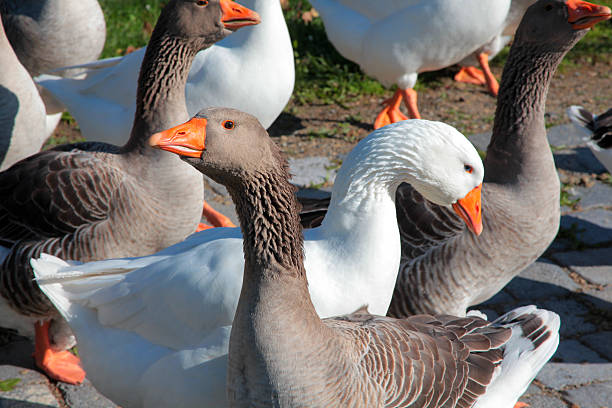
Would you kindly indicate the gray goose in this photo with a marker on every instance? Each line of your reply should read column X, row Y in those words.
column 282, row 354
column 446, row 268
column 92, row 201
column 22, row 112
column 50, row 34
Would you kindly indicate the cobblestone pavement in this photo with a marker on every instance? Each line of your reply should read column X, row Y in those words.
column 573, row 278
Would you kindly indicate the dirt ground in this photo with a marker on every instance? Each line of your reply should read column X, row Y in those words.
column 332, row 130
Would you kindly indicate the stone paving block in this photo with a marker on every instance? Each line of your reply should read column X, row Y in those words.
column 578, row 159
column 595, row 265
column 541, row 280
column 311, row 170
column 543, row 401
column 500, row 298
column 572, row 351
column 592, row 227
column 565, row 135
column 32, row 391
column 480, row 140
column 600, row 342
column 598, row 195
column 591, row 396
column 572, row 314
column 561, row 375
column 84, row 395
column 600, row 298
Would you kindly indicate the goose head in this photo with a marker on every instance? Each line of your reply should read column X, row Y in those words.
column 222, row 143
column 206, row 20
column 559, row 22
column 443, row 166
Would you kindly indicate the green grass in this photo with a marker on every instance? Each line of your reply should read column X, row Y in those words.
column 128, row 23
column 322, row 74
column 9, row 384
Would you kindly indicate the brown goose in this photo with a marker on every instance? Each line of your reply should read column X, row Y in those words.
column 92, row 201
column 445, row 268
column 282, row 354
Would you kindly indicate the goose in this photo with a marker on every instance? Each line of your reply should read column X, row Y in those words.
column 89, row 201
column 453, row 270
column 402, row 39
column 469, row 73
column 22, row 112
column 599, row 130
column 256, row 61
column 167, row 313
column 43, row 33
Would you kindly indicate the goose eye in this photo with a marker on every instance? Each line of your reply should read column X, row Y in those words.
column 468, row 168
column 228, row 124
column 202, row 3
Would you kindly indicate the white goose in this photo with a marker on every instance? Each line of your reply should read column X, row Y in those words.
column 395, row 40
column 143, row 320
column 471, row 74
column 256, row 61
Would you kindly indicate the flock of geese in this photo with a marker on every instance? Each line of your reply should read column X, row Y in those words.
column 97, row 239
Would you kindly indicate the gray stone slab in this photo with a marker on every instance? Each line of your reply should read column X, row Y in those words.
column 595, row 265
column 600, row 342
column 572, row 351
column 500, row 298
column 480, row 140
column 591, row 227
column 578, row 159
column 84, row 395
column 565, row 135
column 561, row 375
column 600, row 298
column 542, row 401
column 591, row 396
column 598, row 195
column 31, row 391
column 311, row 171
column 541, row 280
column 573, row 316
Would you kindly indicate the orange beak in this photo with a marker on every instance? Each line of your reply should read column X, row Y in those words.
column 185, row 140
column 585, row 15
column 236, row 16
column 469, row 209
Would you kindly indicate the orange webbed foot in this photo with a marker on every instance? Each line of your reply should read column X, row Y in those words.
column 520, row 404
column 391, row 112
column 215, row 217
column 59, row 365
column 471, row 75
column 202, row 227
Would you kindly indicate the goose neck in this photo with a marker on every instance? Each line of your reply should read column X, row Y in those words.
column 160, row 98
column 519, row 144
column 268, row 212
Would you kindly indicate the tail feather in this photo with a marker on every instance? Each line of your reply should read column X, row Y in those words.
column 534, row 340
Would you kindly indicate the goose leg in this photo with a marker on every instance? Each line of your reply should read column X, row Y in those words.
column 483, row 59
column 410, row 100
column 59, row 365
column 470, row 75
column 215, row 217
column 391, row 112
